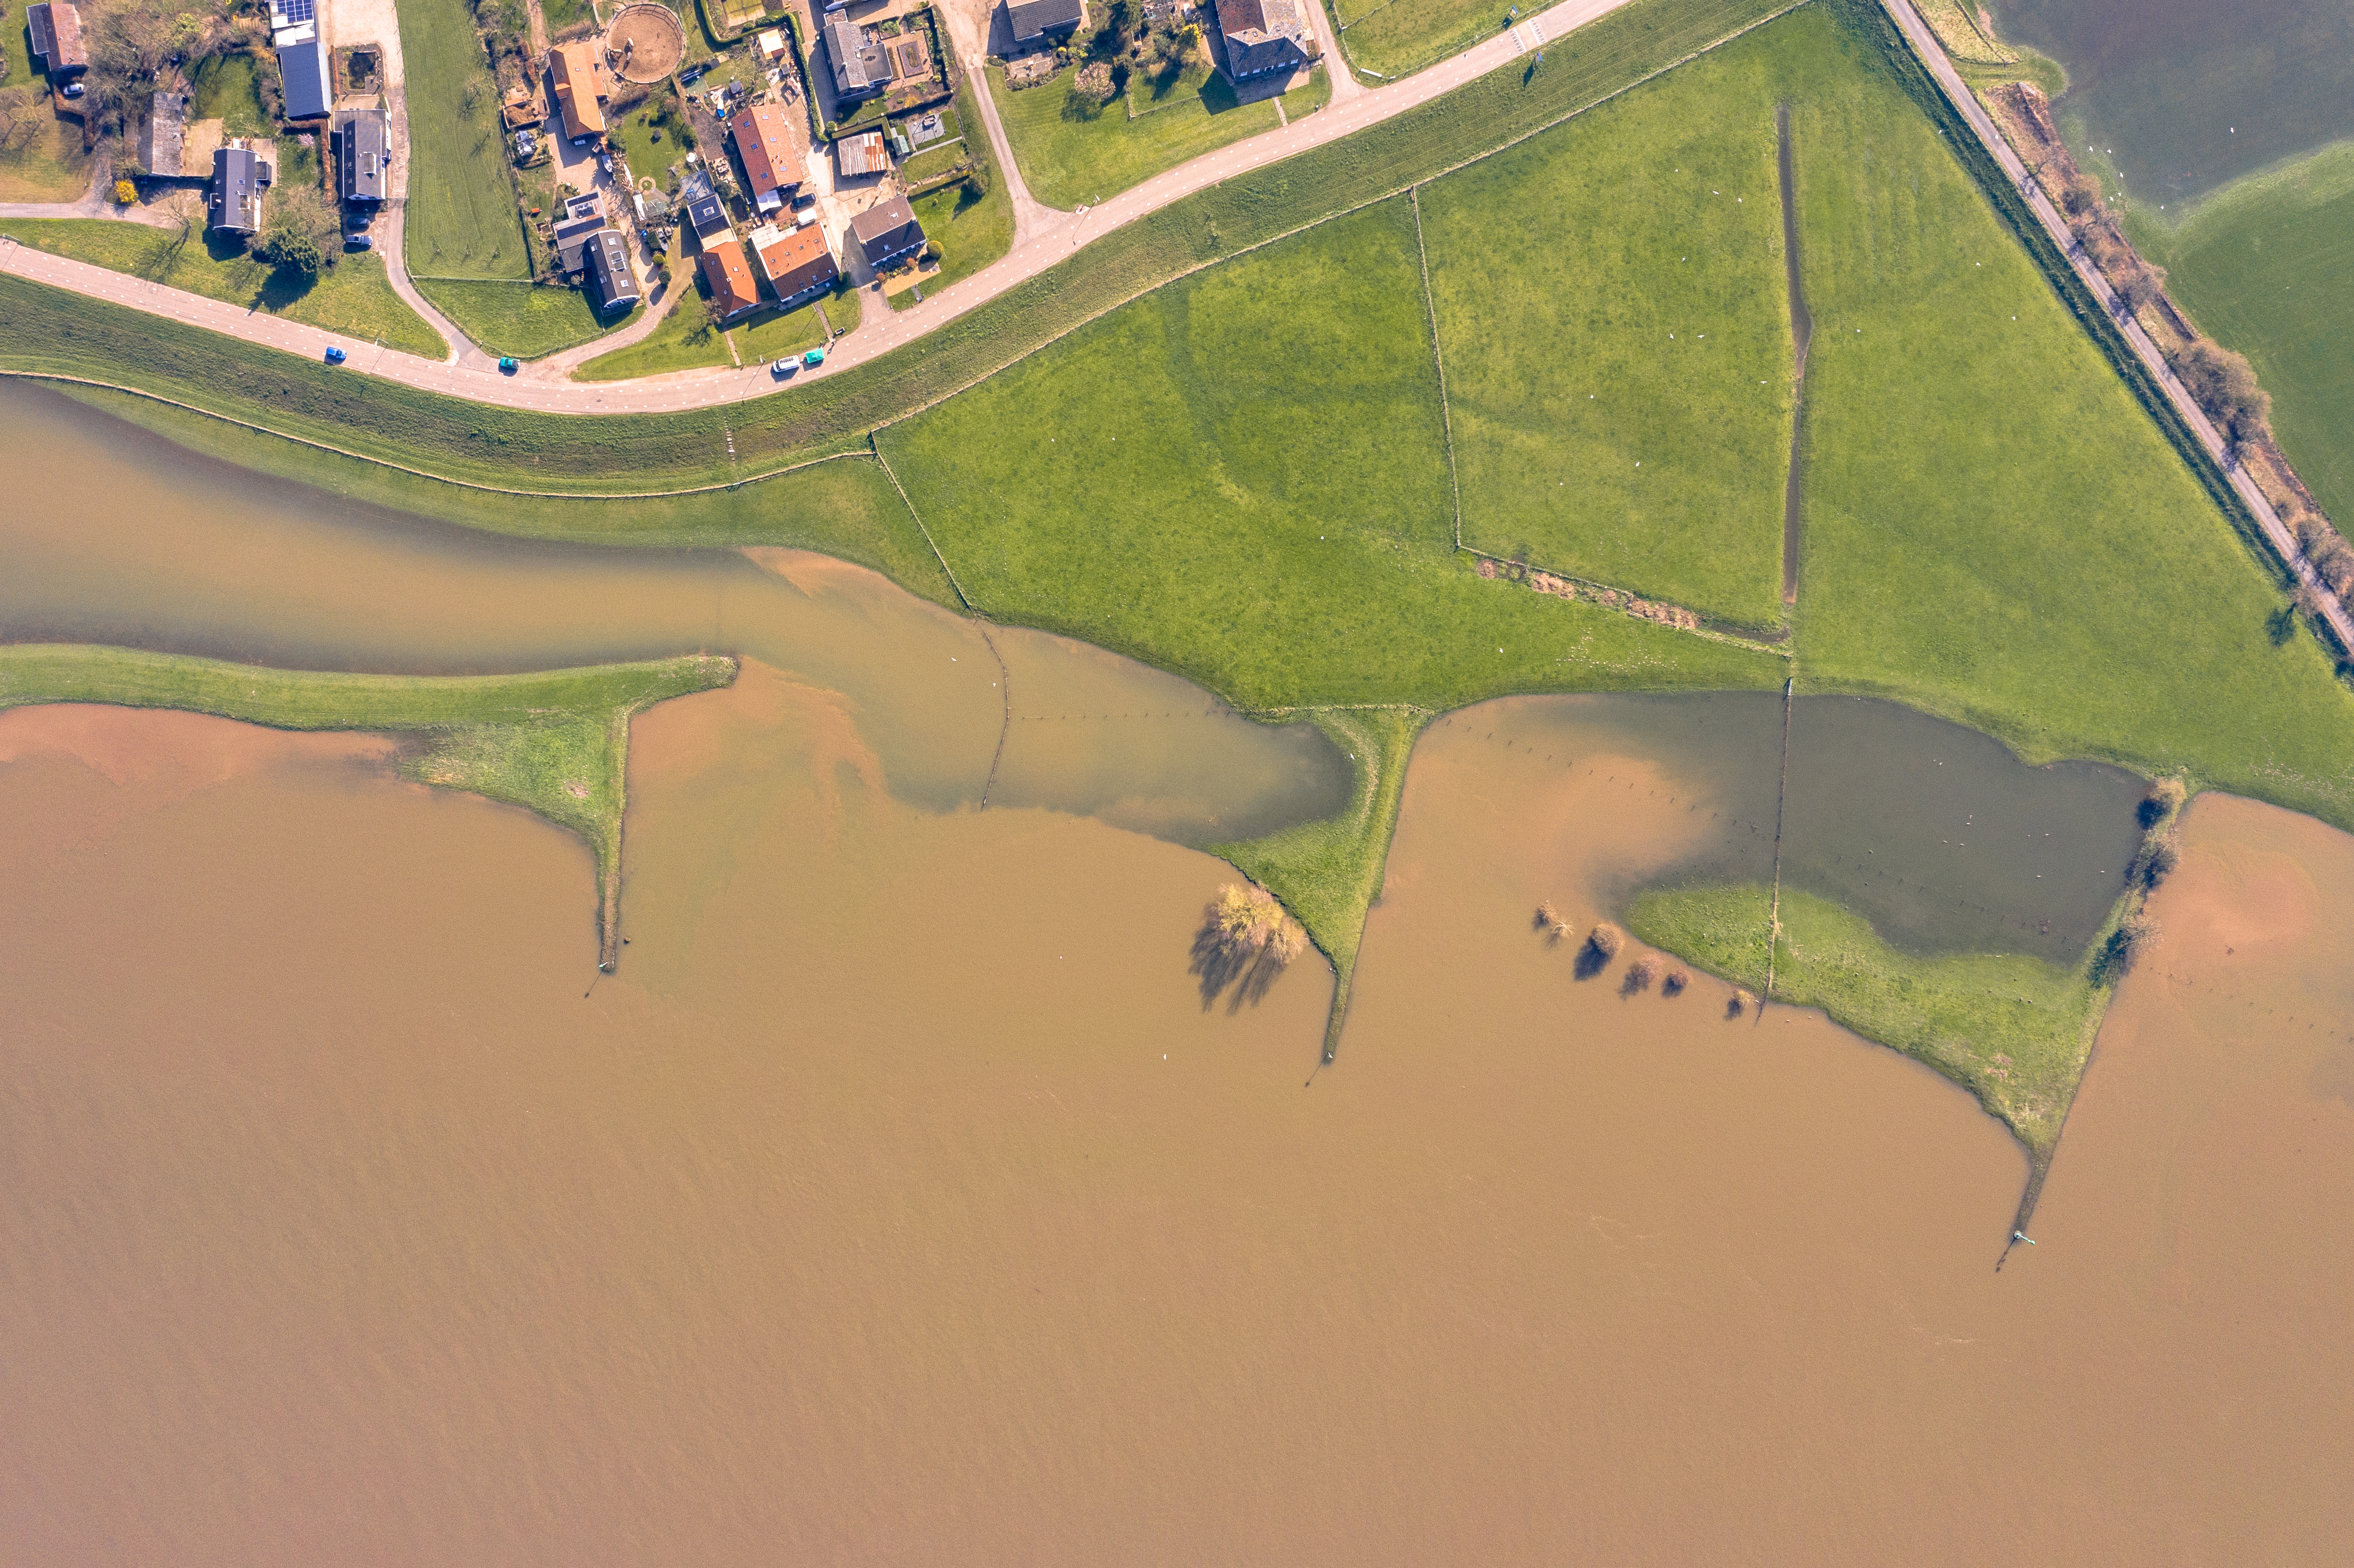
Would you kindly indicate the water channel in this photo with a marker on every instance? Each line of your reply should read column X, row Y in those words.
column 899, row 1200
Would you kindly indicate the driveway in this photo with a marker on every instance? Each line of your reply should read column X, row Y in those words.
column 350, row 23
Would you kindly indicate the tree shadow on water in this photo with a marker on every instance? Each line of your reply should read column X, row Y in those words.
column 1222, row 965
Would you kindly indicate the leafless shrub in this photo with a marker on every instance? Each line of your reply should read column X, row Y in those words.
column 1602, row 945
column 1641, row 975
column 1677, row 982
column 1245, row 940
column 1738, row 1003
column 2225, row 385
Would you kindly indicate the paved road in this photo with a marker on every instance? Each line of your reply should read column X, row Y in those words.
column 469, row 374
column 1925, row 44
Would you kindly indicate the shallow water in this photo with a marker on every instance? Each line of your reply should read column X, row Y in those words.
column 2183, row 95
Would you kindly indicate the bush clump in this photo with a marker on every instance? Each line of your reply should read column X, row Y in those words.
column 1606, row 941
column 1641, row 975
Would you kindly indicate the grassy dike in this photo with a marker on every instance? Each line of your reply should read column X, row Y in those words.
column 556, row 742
column 1328, row 874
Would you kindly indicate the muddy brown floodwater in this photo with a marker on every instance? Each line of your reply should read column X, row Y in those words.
column 899, row 1201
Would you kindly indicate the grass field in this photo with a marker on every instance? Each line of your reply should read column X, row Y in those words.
column 554, row 742
column 2014, row 1031
column 526, row 319
column 43, row 160
column 2262, row 265
column 1397, row 37
column 461, row 218
column 228, row 88
column 1618, row 350
column 1996, row 530
column 1068, row 162
column 354, row 296
column 1133, row 485
column 41, row 329
column 970, row 234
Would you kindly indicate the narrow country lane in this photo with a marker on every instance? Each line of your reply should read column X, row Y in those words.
column 471, row 374
column 1949, row 81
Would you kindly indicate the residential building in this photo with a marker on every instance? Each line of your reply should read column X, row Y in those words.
column 859, row 71
column 611, row 285
column 772, row 140
column 363, row 155
column 303, row 61
column 888, row 232
column 57, row 48
column 705, row 215
column 857, row 156
column 1264, row 37
column 165, row 135
column 233, row 204
column 798, row 262
column 1043, row 23
column 583, row 220
column 581, row 88
column 729, row 278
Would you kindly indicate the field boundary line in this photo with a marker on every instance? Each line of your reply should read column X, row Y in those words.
column 1373, row 201
column 1437, row 361
column 949, row 571
column 1705, row 633
column 418, row 473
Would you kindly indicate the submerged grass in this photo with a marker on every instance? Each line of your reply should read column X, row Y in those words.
column 554, row 742
column 1328, row 874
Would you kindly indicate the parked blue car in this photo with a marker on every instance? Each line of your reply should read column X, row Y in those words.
column 335, row 356
column 359, row 242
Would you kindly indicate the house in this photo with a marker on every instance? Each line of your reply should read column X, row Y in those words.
column 165, row 133
column 704, row 213
column 363, row 155
column 858, row 68
column 581, row 222
column 862, row 154
column 302, row 59
column 1264, row 37
column 233, row 204
column 1043, row 23
column 887, row 231
column 773, row 142
column 57, row 48
column 798, row 262
column 729, row 278
column 581, row 88
column 611, row 284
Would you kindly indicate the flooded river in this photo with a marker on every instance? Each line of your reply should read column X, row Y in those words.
column 898, row 1200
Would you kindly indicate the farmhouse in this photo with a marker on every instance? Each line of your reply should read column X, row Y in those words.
column 363, row 155
column 858, row 68
column 773, row 142
column 729, row 278
column 581, row 88
column 583, row 220
column 887, row 231
column 862, row 154
column 1043, row 23
column 57, row 48
column 301, row 58
column 705, row 215
column 1264, row 37
column 233, row 204
column 611, row 284
column 797, row 262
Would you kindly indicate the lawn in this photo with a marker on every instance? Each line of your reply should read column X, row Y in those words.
column 43, row 160
column 969, row 234
column 1613, row 309
column 228, row 88
column 653, row 136
column 2262, row 266
column 687, row 341
column 1996, row 529
column 1397, row 37
column 354, row 296
column 462, row 220
column 526, row 319
column 1068, row 162
column 562, row 14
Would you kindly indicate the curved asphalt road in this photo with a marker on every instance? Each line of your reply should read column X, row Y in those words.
column 1352, row 108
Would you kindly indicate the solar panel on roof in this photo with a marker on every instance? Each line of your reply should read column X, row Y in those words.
column 289, row 12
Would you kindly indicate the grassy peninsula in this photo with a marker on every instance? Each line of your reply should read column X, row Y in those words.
column 556, row 742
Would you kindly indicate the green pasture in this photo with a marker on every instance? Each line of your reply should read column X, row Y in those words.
column 1393, row 39
column 1612, row 304
column 2262, row 266
column 354, row 296
column 1070, row 160
column 228, row 88
column 529, row 321
column 461, row 218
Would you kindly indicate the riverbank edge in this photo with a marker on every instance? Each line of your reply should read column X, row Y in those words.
column 554, row 742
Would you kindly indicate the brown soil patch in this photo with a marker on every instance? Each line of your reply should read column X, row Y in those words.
column 645, row 43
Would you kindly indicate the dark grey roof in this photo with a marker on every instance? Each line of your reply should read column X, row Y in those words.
column 887, row 229
column 364, row 154
column 164, row 136
column 234, row 203
column 303, row 67
column 858, row 67
column 1262, row 36
column 609, row 270
column 1032, row 19
column 572, row 237
column 704, row 213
